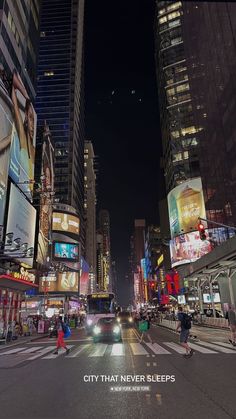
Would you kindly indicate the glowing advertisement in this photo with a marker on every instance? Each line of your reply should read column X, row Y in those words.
column 84, row 277
column 65, row 222
column 47, row 186
column 22, row 155
column 186, row 205
column 187, row 248
column 20, row 231
column 207, row 298
column 62, row 281
column 64, row 250
column 5, row 143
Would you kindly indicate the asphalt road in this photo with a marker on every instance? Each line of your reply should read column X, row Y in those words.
column 95, row 380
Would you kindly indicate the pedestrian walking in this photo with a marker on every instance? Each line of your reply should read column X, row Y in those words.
column 231, row 316
column 147, row 319
column 61, row 328
column 184, row 324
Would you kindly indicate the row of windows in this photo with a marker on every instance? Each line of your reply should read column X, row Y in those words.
column 12, row 25
column 172, row 6
column 177, row 89
column 169, row 17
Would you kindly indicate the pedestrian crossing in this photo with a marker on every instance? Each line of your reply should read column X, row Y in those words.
column 100, row 350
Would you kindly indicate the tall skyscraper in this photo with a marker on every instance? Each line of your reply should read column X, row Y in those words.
column 104, row 229
column 90, row 210
column 60, row 96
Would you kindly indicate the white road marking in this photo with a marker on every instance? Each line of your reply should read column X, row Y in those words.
column 148, row 364
column 30, row 350
column 157, row 349
column 218, row 348
column 41, row 353
column 118, row 349
column 201, row 349
column 99, row 350
column 227, row 345
column 138, row 349
column 12, row 351
column 154, row 364
column 60, row 352
column 175, row 347
column 78, row 351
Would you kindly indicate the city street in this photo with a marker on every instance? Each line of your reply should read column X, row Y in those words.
column 95, row 380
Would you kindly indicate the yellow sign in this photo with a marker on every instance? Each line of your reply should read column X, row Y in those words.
column 99, row 295
column 160, row 260
column 23, row 274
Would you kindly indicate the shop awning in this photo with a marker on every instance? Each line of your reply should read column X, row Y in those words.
column 7, row 281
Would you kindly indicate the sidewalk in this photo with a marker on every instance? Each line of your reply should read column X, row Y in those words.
column 23, row 339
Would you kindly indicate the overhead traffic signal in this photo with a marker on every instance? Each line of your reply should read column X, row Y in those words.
column 201, row 229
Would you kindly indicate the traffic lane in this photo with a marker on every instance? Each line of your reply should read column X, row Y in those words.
column 60, row 389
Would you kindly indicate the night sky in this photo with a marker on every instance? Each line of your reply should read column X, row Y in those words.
column 122, row 116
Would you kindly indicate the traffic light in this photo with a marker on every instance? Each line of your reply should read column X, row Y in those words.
column 201, row 229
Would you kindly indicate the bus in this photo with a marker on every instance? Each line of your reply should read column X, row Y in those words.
column 99, row 304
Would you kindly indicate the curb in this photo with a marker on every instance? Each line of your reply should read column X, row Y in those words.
column 20, row 342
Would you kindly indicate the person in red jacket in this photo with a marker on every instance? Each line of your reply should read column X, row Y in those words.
column 60, row 336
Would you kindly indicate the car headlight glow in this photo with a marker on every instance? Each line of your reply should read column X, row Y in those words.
column 96, row 330
column 89, row 322
column 130, row 319
column 118, row 320
column 116, row 330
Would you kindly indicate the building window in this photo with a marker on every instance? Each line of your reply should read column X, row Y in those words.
column 49, row 73
column 182, row 87
column 173, row 15
column 174, row 6
column 162, row 20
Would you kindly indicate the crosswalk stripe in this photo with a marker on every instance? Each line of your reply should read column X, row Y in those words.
column 42, row 352
column 138, row 349
column 157, row 349
column 100, row 349
column 60, row 352
column 30, row 350
column 12, row 351
column 175, row 347
column 118, row 349
column 218, row 348
column 201, row 349
column 227, row 345
column 78, row 351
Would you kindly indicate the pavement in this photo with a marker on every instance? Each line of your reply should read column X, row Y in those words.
column 119, row 380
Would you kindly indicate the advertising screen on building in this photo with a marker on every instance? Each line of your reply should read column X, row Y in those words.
column 207, row 298
column 22, row 156
column 68, row 281
column 186, row 205
column 65, row 222
column 6, row 122
column 84, row 277
column 66, row 251
column 188, row 248
column 20, row 231
column 47, row 186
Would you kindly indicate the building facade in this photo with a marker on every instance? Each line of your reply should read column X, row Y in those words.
column 104, row 229
column 90, row 210
column 60, row 96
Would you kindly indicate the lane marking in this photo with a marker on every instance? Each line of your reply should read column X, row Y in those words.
column 30, row 350
column 60, row 352
column 41, row 353
column 148, row 364
column 99, row 350
column 118, row 349
column 12, row 351
column 227, row 345
column 218, row 348
column 157, row 349
column 78, row 351
column 201, row 349
column 154, row 364
column 138, row 349
column 175, row 347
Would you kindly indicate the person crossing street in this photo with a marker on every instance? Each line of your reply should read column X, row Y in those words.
column 61, row 327
column 184, row 323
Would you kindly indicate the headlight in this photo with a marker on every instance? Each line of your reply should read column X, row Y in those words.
column 130, row 319
column 118, row 320
column 89, row 322
column 116, row 330
column 96, row 330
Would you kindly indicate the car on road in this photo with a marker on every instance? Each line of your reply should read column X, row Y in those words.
column 125, row 318
column 107, row 328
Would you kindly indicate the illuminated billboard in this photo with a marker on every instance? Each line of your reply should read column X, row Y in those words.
column 65, row 222
column 22, row 155
column 187, row 248
column 62, row 281
column 20, row 231
column 47, row 186
column 84, row 277
column 66, row 251
column 186, row 205
column 5, row 143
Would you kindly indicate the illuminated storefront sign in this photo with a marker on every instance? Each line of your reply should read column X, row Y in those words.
column 23, row 274
column 160, row 260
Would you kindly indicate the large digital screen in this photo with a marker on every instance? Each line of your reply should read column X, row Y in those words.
column 20, row 231
column 6, row 122
column 63, row 250
column 65, row 222
column 186, row 205
column 68, row 281
column 47, row 186
column 207, row 298
column 22, row 155
column 187, row 248
column 84, row 277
